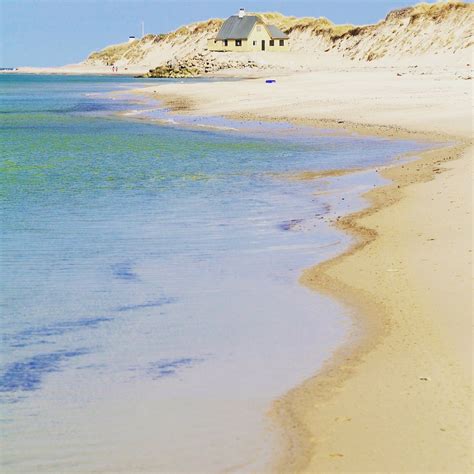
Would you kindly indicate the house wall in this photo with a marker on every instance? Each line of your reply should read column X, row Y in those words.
column 218, row 45
column 276, row 47
column 258, row 33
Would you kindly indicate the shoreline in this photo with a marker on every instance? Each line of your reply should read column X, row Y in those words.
column 310, row 414
column 373, row 321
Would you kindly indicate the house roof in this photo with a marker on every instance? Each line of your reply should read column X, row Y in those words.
column 275, row 32
column 237, row 28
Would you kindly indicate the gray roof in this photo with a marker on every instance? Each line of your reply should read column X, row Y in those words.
column 275, row 32
column 237, row 28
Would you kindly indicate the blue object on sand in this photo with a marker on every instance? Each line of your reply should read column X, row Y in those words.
column 270, row 81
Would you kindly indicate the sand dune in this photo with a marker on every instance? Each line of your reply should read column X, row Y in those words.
column 440, row 32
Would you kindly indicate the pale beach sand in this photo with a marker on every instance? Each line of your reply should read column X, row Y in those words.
column 399, row 401
column 397, row 397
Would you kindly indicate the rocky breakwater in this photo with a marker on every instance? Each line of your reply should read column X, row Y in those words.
column 199, row 65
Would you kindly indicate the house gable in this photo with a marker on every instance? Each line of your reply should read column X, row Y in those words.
column 258, row 34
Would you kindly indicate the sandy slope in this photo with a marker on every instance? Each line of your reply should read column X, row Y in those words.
column 440, row 32
column 398, row 397
column 425, row 34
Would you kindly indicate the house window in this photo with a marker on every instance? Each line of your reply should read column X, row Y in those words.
column 238, row 42
column 226, row 43
column 272, row 42
column 282, row 42
column 255, row 43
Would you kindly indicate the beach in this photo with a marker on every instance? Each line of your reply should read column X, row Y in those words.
column 238, row 243
column 160, row 345
column 397, row 396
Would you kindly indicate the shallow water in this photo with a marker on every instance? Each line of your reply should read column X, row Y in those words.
column 151, row 308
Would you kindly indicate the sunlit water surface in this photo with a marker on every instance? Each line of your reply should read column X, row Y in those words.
column 151, row 309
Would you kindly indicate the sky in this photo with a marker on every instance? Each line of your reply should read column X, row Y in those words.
column 58, row 32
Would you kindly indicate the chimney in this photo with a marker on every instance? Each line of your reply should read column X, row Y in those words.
column 241, row 12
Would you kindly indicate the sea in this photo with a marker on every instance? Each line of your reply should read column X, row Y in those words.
column 151, row 310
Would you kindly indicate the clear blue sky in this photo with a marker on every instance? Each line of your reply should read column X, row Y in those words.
column 56, row 32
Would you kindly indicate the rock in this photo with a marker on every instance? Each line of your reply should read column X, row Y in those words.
column 199, row 64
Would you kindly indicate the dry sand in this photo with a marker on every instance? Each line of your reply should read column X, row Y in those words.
column 397, row 397
column 424, row 34
column 79, row 69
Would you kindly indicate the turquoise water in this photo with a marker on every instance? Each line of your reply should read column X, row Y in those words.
column 151, row 309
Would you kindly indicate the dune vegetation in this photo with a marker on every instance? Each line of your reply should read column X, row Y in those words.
column 442, row 29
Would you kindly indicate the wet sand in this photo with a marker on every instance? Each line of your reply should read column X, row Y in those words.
column 397, row 397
